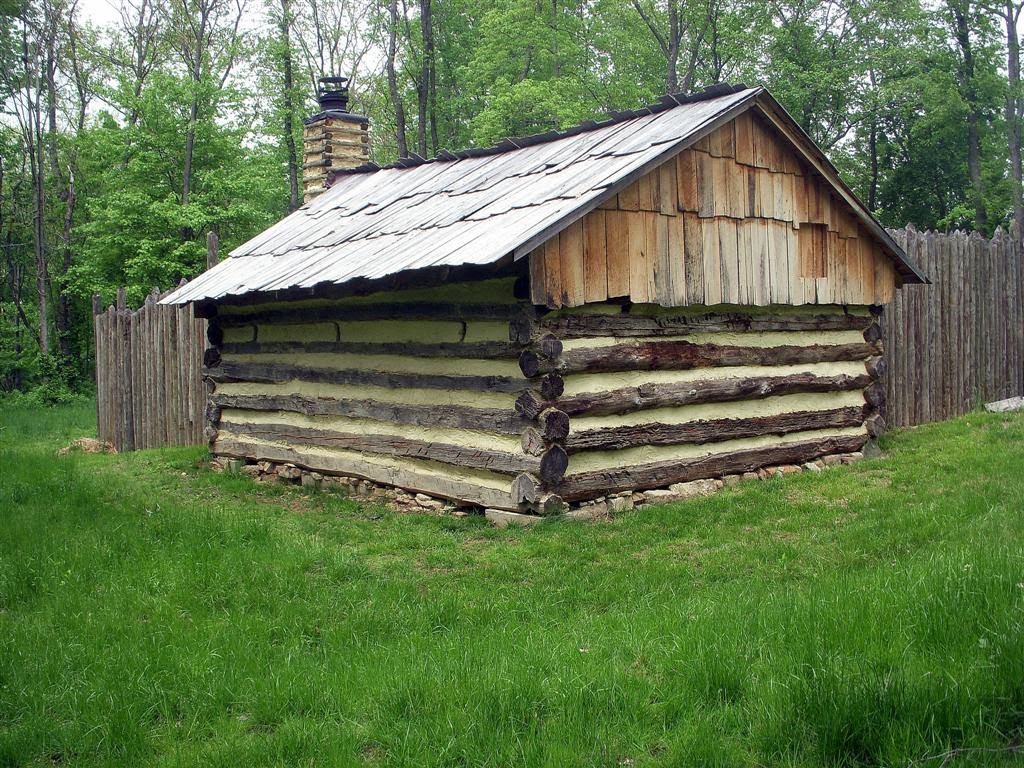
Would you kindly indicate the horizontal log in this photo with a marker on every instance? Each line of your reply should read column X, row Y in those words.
column 659, row 474
column 279, row 373
column 684, row 355
column 392, row 445
column 623, row 324
column 479, row 350
column 211, row 357
column 627, row 399
column 400, row 476
column 411, row 310
column 499, row 420
column 712, row 430
column 873, row 333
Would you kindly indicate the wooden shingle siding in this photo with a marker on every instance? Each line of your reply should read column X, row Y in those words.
column 737, row 218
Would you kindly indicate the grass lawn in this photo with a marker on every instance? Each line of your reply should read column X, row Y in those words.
column 152, row 612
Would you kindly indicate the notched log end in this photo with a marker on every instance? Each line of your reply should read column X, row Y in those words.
column 552, row 386
column 525, row 489
column 533, row 442
column 520, row 330
column 215, row 334
column 876, row 366
column 211, row 357
column 875, row 425
column 550, row 346
column 555, row 424
column 529, row 405
column 529, row 363
column 874, row 395
column 553, row 464
column 551, row 504
column 206, row 310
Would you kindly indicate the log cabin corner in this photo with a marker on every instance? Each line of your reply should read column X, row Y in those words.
column 681, row 292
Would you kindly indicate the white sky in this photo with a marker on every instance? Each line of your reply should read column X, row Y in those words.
column 100, row 13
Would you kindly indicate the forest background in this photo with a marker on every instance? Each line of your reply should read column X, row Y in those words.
column 133, row 128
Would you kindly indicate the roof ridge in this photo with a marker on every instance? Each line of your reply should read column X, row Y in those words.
column 508, row 144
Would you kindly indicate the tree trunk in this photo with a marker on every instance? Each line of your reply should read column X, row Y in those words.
column 1013, row 111
column 396, row 98
column 969, row 87
column 672, row 76
column 190, row 143
column 33, row 131
column 423, row 82
column 289, row 109
column 63, row 302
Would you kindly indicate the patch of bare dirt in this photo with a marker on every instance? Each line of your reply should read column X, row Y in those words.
column 87, row 445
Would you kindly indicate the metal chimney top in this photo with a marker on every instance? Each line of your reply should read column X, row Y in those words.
column 332, row 95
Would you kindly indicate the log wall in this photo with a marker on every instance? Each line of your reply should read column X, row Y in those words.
column 650, row 397
column 736, row 219
column 149, row 387
column 412, row 388
column 467, row 393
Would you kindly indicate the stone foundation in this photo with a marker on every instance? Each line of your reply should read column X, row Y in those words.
column 601, row 508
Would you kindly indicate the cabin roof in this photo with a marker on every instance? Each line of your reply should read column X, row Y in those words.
column 478, row 206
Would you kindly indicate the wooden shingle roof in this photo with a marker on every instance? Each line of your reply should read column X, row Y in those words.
column 479, row 206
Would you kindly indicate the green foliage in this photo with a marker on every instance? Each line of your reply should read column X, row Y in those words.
column 882, row 85
column 154, row 612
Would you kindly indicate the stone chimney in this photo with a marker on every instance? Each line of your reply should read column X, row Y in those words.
column 332, row 139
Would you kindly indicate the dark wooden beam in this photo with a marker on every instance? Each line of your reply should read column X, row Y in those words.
column 411, row 310
column 479, row 350
column 712, row 430
column 624, row 324
column 628, row 399
column 280, row 373
column 684, row 355
column 499, row 420
column 659, row 474
column 392, row 445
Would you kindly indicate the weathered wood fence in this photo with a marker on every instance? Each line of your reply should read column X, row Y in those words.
column 959, row 342
column 149, row 387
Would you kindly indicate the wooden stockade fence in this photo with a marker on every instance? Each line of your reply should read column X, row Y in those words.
column 149, row 386
column 959, row 342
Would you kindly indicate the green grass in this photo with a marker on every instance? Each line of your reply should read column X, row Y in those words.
column 152, row 612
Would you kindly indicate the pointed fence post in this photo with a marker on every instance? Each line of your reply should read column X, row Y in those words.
column 211, row 249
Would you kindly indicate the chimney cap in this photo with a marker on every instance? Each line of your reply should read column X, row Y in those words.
column 332, row 95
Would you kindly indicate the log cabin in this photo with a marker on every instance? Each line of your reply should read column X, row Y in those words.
column 681, row 292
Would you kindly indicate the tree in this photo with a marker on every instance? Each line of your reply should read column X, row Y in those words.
column 206, row 37
column 1008, row 12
